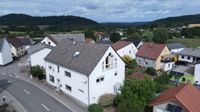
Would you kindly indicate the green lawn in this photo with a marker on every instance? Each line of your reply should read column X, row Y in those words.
column 188, row 42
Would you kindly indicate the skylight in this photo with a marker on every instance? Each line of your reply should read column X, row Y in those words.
column 76, row 54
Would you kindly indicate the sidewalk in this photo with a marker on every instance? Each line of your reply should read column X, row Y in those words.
column 62, row 98
column 13, row 103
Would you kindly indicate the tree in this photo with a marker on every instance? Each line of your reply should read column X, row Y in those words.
column 95, row 108
column 114, row 37
column 89, row 34
column 160, row 36
column 151, row 71
column 37, row 71
column 147, row 36
column 135, row 95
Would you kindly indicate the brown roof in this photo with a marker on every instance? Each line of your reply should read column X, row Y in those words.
column 150, row 50
column 137, row 76
column 186, row 95
column 120, row 44
column 15, row 42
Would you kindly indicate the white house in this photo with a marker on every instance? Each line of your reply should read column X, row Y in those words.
column 54, row 39
column 5, row 52
column 168, row 62
column 84, row 71
column 17, row 47
column 37, row 57
column 197, row 73
column 175, row 47
column 125, row 48
column 189, row 55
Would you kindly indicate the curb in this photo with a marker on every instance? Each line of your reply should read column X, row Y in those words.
column 46, row 92
column 15, row 100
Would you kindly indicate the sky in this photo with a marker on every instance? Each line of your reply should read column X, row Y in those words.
column 103, row 10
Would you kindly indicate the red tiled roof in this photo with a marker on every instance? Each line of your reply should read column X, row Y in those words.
column 186, row 95
column 120, row 44
column 137, row 76
column 150, row 50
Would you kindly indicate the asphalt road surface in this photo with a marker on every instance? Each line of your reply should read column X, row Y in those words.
column 31, row 98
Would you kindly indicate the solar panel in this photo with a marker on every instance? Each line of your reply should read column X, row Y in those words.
column 173, row 108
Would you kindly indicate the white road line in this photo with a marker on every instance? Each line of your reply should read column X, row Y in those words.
column 27, row 92
column 45, row 107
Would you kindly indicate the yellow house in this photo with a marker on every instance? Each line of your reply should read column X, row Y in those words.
column 150, row 55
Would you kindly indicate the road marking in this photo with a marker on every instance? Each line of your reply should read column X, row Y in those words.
column 45, row 107
column 27, row 92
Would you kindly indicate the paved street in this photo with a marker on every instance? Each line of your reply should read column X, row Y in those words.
column 32, row 98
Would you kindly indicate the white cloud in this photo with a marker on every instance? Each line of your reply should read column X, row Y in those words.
column 103, row 10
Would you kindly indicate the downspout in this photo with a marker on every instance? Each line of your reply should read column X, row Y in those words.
column 88, row 91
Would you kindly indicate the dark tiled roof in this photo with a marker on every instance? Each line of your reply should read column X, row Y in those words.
column 175, row 46
column 26, row 40
column 190, row 52
column 58, row 37
column 85, row 62
column 38, row 47
column 135, row 42
column 150, row 50
column 120, row 44
column 15, row 42
column 186, row 95
column 104, row 42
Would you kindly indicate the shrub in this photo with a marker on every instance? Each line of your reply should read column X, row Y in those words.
column 127, row 59
column 162, row 79
column 106, row 100
column 95, row 108
column 37, row 71
column 151, row 71
column 129, row 71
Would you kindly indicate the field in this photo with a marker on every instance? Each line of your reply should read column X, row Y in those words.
column 194, row 43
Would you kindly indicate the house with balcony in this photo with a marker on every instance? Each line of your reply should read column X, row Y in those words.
column 150, row 55
column 125, row 48
column 84, row 71
column 54, row 39
column 168, row 62
column 183, row 98
column 189, row 55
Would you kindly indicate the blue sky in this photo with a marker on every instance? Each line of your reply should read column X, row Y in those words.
column 103, row 10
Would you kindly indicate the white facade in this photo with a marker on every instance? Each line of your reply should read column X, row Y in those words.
column 37, row 58
column 185, row 58
column 167, row 66
column 162, row 107
column 197, row 74
column 129, row 50
column 47, row 41
column 174, row 51
column 5, row 53
column 17, row 52
column 105, row 78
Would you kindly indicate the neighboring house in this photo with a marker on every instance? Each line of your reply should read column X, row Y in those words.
column 150, row 55
column 175, row 47
column 137, row 43
column 37, row 54
column 197, row 73
column 89, row 40
column 184, row 98
column 5, row 52
column 85, row 71
column 189, row 55
column 108, row 42
column 168, row 62
column 26, row 41
column 17, row 47
column 125, row 48
column 54, row 39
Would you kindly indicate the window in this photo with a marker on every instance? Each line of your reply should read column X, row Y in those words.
column 139, row 61
column 50, row 67
column 58, row 68
column 115, row 73
column 68, row 87
column 168, row 65
column 188, row 57
column 183, row 79
column 109, row 61
column 68, row 74
column 49, row 43
column 146, row 63
column 81, row 90
column 51, row 78
column 130, row 52
column 100, row 79
column 182, row 57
